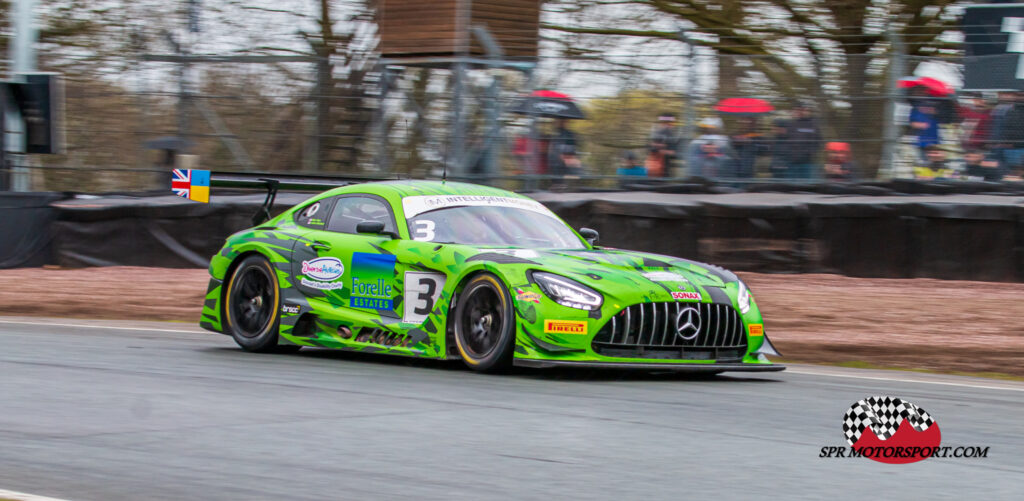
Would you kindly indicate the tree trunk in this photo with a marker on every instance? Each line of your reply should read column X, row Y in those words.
column 729, row 74
column 862, row 128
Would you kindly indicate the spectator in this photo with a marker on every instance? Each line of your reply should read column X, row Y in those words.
column 1008, row 132
column 1004, row 103
column 977, row 123
column 570, row 161
column 839, row 164
column 562, row 138
column 663, row 146
column 935, row 165
column 528, row 155
column 569, row 167
column 979, row 168
column 629, row 170
column 925, row 123
column 709, row 161
column 748, row 143
column 779, row 165
column 803, row 142
column 628, row 166
column 696, row 154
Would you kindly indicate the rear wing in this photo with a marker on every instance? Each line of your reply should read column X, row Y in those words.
column 195, row 184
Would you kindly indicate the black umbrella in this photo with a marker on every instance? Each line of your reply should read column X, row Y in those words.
column 548, row 103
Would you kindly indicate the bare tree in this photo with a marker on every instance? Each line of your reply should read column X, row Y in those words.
column 803, row 48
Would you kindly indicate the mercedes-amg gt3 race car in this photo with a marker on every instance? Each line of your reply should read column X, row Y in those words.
column 457, row 271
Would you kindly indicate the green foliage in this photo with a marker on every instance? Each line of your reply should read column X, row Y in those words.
column 621, row 123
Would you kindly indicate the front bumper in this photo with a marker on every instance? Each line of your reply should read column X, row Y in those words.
column 653, row 366
column 727, row 341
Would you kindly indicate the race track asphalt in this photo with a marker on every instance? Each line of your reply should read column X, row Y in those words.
column 148, row 411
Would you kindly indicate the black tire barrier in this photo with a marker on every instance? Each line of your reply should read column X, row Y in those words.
column 876, row 232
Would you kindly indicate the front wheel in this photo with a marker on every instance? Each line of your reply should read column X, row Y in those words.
column 485, row 324
column 252, row 305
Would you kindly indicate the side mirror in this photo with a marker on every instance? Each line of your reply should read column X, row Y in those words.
column 589, row 235
column 373, row 227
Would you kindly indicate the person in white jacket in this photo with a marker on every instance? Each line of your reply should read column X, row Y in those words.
column 710, row 153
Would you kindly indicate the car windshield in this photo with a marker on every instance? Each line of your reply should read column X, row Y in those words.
column 493, row 226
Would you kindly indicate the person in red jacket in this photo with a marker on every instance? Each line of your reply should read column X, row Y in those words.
column 976, row 123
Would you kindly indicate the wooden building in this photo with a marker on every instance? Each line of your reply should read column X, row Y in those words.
column 438, row 28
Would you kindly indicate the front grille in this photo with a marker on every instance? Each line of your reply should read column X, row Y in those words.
column 691, row 331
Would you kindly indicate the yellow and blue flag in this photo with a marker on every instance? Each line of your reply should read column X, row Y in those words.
column 193, row 184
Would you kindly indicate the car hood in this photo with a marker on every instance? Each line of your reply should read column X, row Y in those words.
column 628, row 276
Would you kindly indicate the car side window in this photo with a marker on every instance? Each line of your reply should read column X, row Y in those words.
column 313, row 215
column 350, row 211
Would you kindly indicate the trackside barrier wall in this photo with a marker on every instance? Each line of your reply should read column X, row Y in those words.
column 165, row 231
column 964, row 237
column 959, row 237
column 26, row 234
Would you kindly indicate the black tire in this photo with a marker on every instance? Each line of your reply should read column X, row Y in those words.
column 485, row 324
column 252, row 306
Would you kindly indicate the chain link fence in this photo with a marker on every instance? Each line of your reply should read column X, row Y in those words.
column 657, row 118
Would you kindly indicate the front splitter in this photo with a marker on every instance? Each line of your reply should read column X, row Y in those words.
column 655, row 366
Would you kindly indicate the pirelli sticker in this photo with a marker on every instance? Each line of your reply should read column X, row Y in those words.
column 564, row 327
column 756, row 329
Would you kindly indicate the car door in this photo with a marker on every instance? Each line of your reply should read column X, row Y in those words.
column 336, row 264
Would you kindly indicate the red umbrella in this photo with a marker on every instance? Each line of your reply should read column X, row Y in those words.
column 935, row 87
column 551, row 94
column 744, row 105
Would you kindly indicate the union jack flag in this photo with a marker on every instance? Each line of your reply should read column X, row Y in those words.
column 192, row 184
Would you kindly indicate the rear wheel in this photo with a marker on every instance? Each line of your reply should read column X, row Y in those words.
column 485, row 324
column 252, row 306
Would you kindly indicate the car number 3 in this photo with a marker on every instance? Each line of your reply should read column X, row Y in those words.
column 422, row 290
column 424, row 230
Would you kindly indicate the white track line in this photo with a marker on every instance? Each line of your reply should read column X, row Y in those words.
column 21, row 496
column 903, row 380
column 88, row 326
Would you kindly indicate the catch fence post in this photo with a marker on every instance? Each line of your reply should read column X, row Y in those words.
column 690, row 113
column 383, row 160
column 323, row 108
column 890, row 131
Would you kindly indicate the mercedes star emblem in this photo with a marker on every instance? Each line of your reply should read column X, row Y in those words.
column 688, row 323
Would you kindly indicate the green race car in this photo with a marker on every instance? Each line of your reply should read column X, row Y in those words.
column 457, row 271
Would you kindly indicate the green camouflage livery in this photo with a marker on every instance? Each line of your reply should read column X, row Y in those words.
column 377, row 293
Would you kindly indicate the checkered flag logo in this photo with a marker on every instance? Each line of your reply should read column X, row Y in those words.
column 883, row 415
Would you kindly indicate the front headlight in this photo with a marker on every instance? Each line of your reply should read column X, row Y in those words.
column 568, row 292
column 743, row 298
